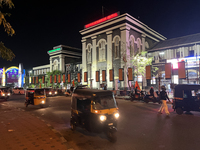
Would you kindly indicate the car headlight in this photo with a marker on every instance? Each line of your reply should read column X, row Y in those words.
column 3, row 94
column 55, row 92
column 102, row 118
column 8, row 94
column 50, row 93
column 116, row 115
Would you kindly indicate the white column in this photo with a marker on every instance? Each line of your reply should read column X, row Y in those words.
column 62, row 63
column 94, row 62
column 124, row 46
column 84, row 63
column 50, row 64
column 109, row 59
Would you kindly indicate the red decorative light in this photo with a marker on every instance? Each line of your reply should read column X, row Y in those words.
column 101, row 20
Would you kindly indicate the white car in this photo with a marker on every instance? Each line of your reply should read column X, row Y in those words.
column 18, row 91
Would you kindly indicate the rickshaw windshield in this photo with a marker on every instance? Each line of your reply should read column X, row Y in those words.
column 104, row 102
column 39, row 92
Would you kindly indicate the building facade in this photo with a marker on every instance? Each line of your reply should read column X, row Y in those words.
column 63, row 58
column 187, row 49
column 107, row 42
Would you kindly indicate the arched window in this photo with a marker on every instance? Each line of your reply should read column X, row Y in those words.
column 138, row 45
column 89, row 57
column 102, row 51
column 55, row 64
column 116, row 47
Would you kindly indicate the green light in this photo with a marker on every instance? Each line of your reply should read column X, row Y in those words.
column 13, row 75
column 57, row 49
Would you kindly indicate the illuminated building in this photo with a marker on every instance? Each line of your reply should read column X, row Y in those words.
column 107, row 41
column 187, row 49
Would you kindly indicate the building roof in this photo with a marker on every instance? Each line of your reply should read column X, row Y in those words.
column 176, row 42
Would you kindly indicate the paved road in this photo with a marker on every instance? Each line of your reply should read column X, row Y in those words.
column 139, row 126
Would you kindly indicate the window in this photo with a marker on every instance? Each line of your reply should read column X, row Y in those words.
column 89, row 60
column 117, row 47
column 132, row 47
column 55, row 64
column 191, row 53
column 102, row 51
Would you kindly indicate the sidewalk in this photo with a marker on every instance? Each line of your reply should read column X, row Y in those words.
column 19, row 130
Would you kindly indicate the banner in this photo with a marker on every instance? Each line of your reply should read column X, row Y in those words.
column 79, row 77
column 148, row 72
column 168, row 70
column 36, row 79
column 103, row 75
column 181, row 70
column 55, row 79
column 33, row 80
column 69, row 78
column 85, row 77
column 121, row 74
column 63, row 78
column 97, row 76
column 111, row 73
column 43, row 79
column 59, row 79
column 130, row 74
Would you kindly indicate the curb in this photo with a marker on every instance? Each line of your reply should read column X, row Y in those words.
column 63, row 140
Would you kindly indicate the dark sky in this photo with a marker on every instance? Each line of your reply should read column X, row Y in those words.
column 40, row 26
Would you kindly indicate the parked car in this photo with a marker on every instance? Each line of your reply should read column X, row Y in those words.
column 50, row 92
column 18, row 91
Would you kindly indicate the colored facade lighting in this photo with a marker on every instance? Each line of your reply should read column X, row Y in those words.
column 101, row 20
column 53, row 50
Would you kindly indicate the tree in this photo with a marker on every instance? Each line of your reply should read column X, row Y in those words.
column 139, row 61
column 5, row 52
column 47, row 79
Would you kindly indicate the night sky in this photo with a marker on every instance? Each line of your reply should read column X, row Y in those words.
column 40, row 26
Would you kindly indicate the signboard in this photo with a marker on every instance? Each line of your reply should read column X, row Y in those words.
column 85, row 77
column 69, row 78
column 59, row 78
column 101, row 20
column 168, row 70
column 43, row 79
column 121, row 74
column 130, row 74
column 148, row 72
column 63, row 78
column 55, row 79
column 181, row 70
column 111, row 73
column 97, row 76
column 103, row 75
column 79, row 77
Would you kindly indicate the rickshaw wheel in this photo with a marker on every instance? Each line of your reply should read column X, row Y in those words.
column 112, row 136
column 179, row 110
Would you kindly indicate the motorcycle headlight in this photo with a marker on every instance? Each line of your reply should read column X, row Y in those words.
column 102, row 118
column 116, row 115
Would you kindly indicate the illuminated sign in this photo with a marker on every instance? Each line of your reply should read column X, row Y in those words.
column 101, row 20
column 53, row 50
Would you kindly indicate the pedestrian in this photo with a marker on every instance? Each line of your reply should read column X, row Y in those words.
column 151, row 91
column 163, row 98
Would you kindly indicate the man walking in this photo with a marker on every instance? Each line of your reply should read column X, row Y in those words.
column 163, row 98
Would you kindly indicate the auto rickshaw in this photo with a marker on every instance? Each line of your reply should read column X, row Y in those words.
column 94, row 110
column 35, row 97
column 4, row 93
column 186, row 98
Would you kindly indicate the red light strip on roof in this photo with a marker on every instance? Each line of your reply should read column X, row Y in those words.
column 101, row 20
